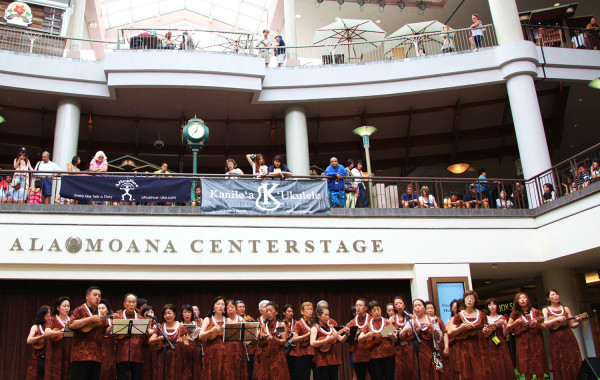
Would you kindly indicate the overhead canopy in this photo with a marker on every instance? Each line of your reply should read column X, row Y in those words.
column 248, row 15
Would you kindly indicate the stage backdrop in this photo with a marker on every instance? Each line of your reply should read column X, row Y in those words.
column 20, row 301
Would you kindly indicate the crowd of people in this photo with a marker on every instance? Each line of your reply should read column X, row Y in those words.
column 346, row 185
column 387, row 342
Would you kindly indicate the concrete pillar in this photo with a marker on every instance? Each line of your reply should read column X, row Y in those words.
column 76, row 28
column 296, row 140
column 525, row 109
column 289, row 13
column 419, row 285
column 562, row 280
column 66, row 135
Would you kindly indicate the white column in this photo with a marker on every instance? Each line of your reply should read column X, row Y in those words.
column 419, row 284
column 76, row 28
column 562, row 280
column 296, row 140
column 525, row 108
column 66, row 132
column 289, row 14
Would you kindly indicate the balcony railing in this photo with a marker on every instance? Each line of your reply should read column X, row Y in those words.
column 556, row 36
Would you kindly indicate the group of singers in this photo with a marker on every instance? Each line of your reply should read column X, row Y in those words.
column 388, row 344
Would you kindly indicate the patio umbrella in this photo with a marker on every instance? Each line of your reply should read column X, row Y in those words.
column 346, row 31
column 415, row 34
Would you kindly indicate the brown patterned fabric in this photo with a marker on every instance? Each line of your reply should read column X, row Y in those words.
column 331, row 357
column 130, row 348
column 214, row 358
column 502, row 365
column 381, row 350
column 273, row 361
column 86, row 346
column 531, row 353
column 403, row 353
column 474, row 358
column 174, row 366
column 302, row 348
column 149, row 356
column 32, row 368
column 108, row 371
column 565, row 354
column 58, row 355
column 359, row 353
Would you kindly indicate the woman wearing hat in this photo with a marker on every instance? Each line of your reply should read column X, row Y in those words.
column 427, row 200
column 22, row 163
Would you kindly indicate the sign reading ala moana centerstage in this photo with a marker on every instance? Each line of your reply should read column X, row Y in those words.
column 126, row 189
column 264, row 197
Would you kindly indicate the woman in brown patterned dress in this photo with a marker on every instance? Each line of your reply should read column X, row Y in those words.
column 443, row 344
column 303, row 353
column 197, row 345
column 323, row 339
column 150, row 353
column 501, row 360
column 470, row 330
column 214, row 348
column 403, row 352
column 454, row 349
column 58, row 349
column 167, row 364
column 427, row 331
column 564, row 350
column 273, row 362
column 523, row 323
column 108, row 371
column 381, row 348
column 186, row 351
column 37, row 339
column 235, row 352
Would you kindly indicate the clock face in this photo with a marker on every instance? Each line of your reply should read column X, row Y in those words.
column 196, row 130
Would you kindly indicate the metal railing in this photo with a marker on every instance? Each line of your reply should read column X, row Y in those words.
column 556, row 36
column 568, row 176
column 33, row 42
column 387, row 191
column 455, row 41
column 186, row 40
column 395, row 48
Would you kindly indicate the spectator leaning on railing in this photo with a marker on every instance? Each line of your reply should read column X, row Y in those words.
column 335, row 183
column 45, row 165
column 16, row 194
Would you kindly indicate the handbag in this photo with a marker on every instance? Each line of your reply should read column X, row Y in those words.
column 288, row 346
column 437, row 361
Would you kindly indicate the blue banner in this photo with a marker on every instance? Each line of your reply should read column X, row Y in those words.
column 126, row 189
column 448, row 291
column 264, row 197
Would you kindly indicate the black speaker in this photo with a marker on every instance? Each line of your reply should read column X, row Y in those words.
column 590, row 369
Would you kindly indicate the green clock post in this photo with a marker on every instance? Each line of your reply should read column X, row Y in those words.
column 195, row 136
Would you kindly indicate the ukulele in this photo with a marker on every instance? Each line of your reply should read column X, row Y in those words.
column 89, row 326
column 487, row 329
column 377, row 338
column 264, row 341
column 529, row 324
column 40, row 343
column 325, row 348
column 556, row 326
column 214, row 335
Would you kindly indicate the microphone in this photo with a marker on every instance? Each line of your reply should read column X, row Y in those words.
column 406, row 314
column 196, row 316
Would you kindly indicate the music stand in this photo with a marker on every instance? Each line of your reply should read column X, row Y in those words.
column 129, row 327
column 241, row 332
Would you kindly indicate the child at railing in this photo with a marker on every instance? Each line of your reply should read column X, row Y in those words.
column 35, row 193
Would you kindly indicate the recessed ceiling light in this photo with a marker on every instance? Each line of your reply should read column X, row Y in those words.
column 575, row 125
column 337, row 19
column 556, row 4
column 298, row 16
column 377, row 21
column 487, row 282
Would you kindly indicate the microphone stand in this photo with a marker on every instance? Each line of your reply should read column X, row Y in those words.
column 165, row 342
column 416, row 342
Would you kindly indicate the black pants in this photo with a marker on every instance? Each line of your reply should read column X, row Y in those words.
column 361, row 370
column 302, row 365
column 85, row 370
column 380, row 369
column 123, row 371
column 329, row 372
column 250, row 365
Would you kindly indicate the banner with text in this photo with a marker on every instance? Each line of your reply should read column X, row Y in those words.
column 126, row 189
column 264, row 197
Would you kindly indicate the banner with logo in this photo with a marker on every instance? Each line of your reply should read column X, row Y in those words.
column 126, row 189
column 264, row 197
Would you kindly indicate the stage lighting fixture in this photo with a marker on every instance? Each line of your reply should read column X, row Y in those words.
column 382, row 3
column 401, row 4
column 361, row 2
column 340, row 2
column 422, row 6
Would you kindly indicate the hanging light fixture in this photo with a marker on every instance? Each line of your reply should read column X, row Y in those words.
column 595, row 83
column 458, row 168
column 422, row 6
column 401, row 4
column 361, row 2
column 340, row 2
column 382, row 3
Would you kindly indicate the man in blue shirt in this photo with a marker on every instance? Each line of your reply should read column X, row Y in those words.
column 410, row 199
column 280, row 51
column 335, row 183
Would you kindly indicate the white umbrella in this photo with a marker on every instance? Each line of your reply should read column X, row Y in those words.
column 415, row 33
column 346, row 31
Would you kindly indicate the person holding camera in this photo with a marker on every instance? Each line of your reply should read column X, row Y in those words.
column 22, row 163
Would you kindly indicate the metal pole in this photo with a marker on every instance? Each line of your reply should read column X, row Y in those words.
column 194, row 170
column 368, row 157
